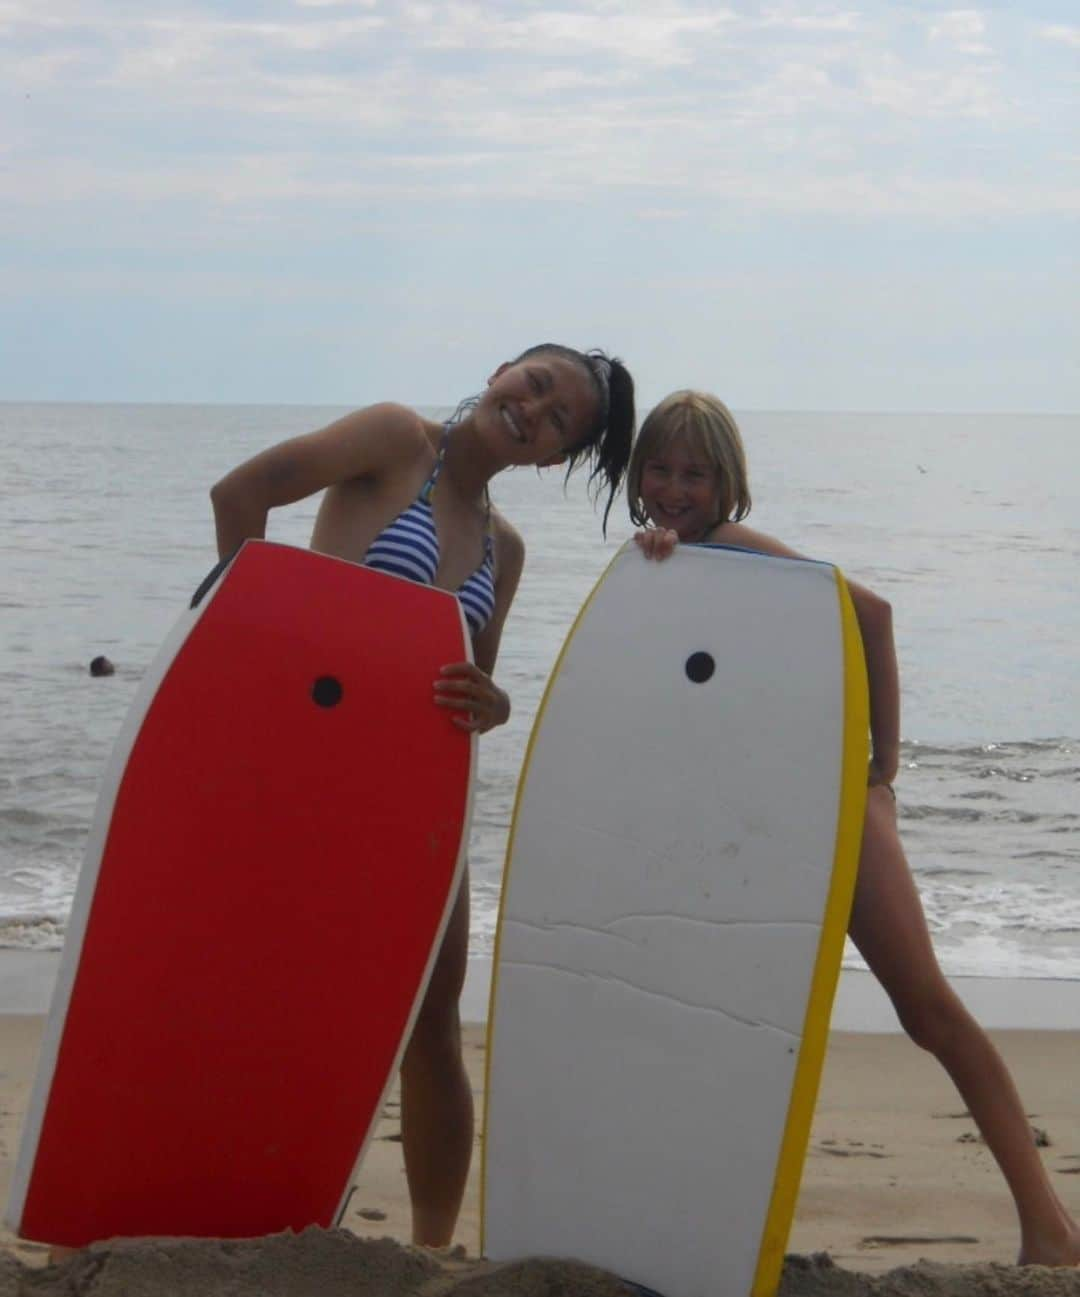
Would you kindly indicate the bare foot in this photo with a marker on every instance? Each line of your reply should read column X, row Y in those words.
column 1062, row 1250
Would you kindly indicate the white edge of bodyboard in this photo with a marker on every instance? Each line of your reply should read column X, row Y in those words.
column 804, row 1090
column 83, row 899
column 436, row 945
column 504, row 889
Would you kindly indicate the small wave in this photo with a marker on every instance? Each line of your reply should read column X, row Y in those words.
column 950, row 871
column 22, row 817
column 972, row 815
column 915, row 749
column 999, row 772
column 41, row 933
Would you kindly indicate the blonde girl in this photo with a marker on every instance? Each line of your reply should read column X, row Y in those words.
column 687, row 482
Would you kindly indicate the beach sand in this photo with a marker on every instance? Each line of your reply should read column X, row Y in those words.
column 897, row 1191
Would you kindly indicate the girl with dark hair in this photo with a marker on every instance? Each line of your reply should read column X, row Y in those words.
column 409, row 496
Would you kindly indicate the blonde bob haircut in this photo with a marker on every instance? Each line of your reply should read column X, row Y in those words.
column 708, row 428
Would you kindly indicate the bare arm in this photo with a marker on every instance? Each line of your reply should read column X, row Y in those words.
column 874, row 615
column 469, row 688
column 359, row 445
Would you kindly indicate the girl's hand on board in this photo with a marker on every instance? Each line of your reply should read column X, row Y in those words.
column 656, row 542
column 464, row 688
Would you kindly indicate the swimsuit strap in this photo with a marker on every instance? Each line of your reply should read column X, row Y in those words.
column 429, row 485
column 489, row 552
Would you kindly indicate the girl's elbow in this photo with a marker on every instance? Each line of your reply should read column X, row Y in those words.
column 883, row 610
column 234, row 518
column 219, row 494
column 227, row 497
column 875, row 612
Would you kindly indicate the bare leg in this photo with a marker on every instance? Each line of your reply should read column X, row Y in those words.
column 436, row 1097
column 889, row 928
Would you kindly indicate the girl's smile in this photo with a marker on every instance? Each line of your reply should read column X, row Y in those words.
column 512, row 424
column 680, row 492
column 544, row 405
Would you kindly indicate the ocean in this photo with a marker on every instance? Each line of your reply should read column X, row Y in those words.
column 969, row 524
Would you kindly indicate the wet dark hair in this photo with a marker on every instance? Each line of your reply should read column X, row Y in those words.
column 608, row 442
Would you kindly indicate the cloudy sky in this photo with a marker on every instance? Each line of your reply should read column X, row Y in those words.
column 798, row 205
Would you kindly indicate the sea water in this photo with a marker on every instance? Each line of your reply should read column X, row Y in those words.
column 969, row 525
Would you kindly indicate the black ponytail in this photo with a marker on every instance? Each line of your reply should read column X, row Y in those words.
column 607, row 445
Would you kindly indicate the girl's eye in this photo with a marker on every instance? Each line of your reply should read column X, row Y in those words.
column 534, row 383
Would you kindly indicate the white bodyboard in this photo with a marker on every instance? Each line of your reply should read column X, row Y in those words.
column 677, row 889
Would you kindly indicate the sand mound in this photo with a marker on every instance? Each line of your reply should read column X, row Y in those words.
column 817, row 1276
column 316, row 1263
column 335, row 1263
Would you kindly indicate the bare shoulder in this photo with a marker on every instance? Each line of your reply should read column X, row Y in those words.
column 387, row 427
column 372, row 442
column 737, row 533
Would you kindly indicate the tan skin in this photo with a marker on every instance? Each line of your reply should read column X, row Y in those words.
column 887, row 921
column 371, row 465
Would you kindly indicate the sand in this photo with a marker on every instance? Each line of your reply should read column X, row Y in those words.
column 335, row 1263
column 898, row 1197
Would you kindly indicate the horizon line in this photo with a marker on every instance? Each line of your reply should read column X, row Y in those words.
column 450, row 405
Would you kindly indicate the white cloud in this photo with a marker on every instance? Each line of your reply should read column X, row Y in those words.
column 795, row 20
column 662, row 33
column 337, row 103
column 962, row 29
column 1062, row 34
column 931, row 95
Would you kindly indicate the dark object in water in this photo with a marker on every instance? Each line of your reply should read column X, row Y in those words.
column 101, row 666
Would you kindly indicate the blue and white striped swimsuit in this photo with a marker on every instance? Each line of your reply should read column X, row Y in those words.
column 409, row 547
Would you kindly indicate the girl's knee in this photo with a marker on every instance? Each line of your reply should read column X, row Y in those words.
column 933, row 1018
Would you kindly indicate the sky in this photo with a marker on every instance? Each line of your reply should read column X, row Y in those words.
column 872, row 206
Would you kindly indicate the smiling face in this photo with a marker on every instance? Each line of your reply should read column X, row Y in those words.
column 680, row 490
column 688, row 468
column 539, row 408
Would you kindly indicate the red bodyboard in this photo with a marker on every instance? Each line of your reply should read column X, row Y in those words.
column 284, row 843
